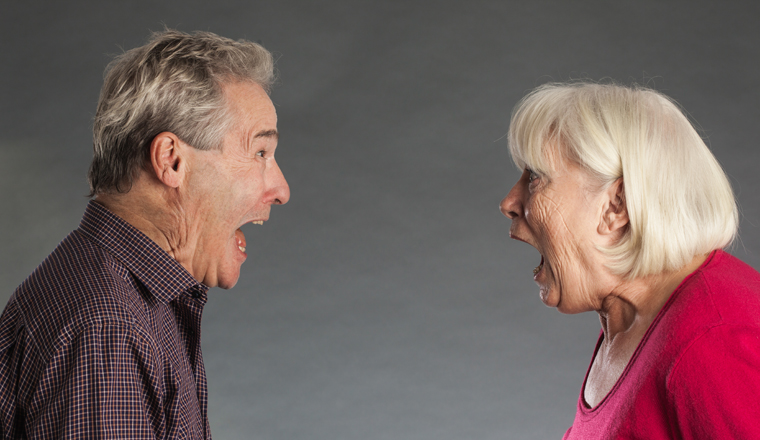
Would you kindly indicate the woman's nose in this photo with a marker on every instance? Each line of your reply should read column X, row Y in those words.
column 511, row 206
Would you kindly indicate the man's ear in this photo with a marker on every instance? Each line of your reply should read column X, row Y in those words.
column 614, row 213
column 166, row 159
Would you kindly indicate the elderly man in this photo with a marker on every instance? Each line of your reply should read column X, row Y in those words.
column 103, row 339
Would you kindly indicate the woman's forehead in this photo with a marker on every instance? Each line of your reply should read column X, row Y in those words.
column 541, row 157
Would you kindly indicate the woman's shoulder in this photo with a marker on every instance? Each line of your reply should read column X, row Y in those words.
column 726, row 288
column 714, row 384
column 729, row 269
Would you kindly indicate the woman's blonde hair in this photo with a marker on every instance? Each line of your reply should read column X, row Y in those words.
column 679, row 201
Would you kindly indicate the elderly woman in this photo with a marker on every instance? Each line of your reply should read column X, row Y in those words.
column 629, row 211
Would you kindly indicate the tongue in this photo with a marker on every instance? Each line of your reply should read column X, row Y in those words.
column 240, row 238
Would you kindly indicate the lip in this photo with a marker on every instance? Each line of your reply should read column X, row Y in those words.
column 240, row 236
column 239, row 241
column 542, row 264
column 515, row 237
column 540, row 271
column 518, row 238
column 262, row 219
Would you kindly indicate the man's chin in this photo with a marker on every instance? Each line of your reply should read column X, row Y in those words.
column 227, row 286
column 228, row 282
column 225, row 278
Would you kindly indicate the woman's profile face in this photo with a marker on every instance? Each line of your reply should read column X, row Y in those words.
column 559, row 215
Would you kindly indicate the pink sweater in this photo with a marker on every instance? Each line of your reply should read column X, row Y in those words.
column 696, row 372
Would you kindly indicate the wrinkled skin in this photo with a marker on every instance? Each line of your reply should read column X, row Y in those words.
column 230, row 187
column 567, row 217
column 192, row 203
column 560, row 217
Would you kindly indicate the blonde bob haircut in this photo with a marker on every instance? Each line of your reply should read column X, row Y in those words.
column 679, row 201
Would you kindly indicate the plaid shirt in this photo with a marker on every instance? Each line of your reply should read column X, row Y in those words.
column 103, row 341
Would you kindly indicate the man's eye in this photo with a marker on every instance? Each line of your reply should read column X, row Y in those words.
column 261, row 153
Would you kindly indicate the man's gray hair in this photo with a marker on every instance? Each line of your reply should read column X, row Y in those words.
column 173, row 83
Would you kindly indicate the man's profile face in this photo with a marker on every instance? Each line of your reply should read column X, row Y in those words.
column 234, row 186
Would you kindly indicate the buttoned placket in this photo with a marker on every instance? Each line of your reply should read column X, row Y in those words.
column 189, row 313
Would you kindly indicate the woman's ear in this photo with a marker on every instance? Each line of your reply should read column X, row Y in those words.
column 614, row 213
column 166, row 159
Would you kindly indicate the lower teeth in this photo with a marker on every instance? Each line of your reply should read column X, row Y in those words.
column 537, row 269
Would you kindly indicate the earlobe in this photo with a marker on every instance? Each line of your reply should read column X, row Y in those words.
column 166, row 159
column 615, row 213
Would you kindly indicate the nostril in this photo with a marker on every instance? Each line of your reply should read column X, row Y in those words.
column 508, row 211
column 511, row 206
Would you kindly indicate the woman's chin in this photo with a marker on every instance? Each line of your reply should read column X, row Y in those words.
column 548, row 296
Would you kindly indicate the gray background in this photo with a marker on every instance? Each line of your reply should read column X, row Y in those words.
column 385, row 301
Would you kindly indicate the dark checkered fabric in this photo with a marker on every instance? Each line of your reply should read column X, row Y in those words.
column 102, row 341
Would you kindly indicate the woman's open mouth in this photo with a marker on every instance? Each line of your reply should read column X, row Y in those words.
column 538, row 268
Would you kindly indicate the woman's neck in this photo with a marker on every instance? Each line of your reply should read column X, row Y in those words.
column 626, row 314
column 635, row 303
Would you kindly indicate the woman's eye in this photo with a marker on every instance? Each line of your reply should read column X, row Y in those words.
column 532, row 176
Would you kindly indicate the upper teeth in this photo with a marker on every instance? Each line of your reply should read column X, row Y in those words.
column 258, row 222
column 242, row 249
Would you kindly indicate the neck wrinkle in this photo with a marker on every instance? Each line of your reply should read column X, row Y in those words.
column 636, row 303
column 158, row 216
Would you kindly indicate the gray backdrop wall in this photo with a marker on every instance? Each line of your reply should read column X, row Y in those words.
column 385, row 301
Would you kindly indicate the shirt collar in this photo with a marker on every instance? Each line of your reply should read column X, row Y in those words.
column 164, row 277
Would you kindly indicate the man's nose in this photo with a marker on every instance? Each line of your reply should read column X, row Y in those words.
column 511, row 206
column 279, row 189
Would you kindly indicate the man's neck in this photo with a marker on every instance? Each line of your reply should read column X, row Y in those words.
column 148, row 209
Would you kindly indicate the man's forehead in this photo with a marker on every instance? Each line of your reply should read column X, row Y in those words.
column 252, row 109
column 247, row 95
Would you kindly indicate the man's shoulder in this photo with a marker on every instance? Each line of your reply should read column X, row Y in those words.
column 77, row 285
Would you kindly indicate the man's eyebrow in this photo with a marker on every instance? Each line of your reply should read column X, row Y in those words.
column 268, row 133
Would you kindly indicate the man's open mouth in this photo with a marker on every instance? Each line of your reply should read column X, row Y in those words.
column 240, row 237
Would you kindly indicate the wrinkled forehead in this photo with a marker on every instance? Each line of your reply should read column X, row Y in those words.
column 249, row 107
column 537, row 148
column 535, row 133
